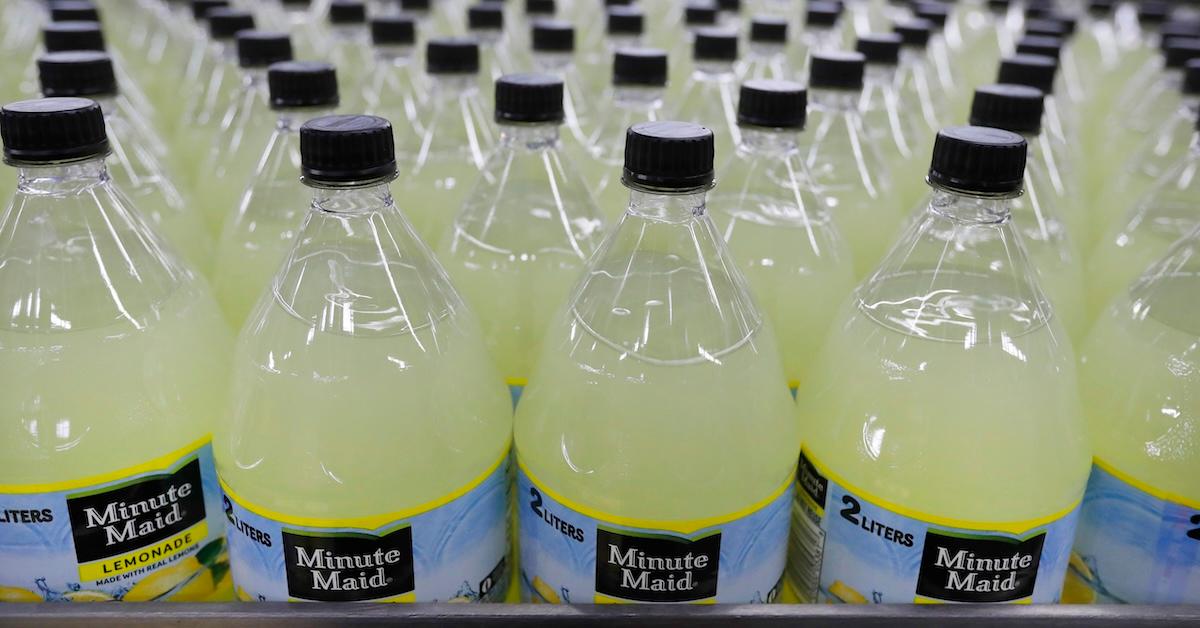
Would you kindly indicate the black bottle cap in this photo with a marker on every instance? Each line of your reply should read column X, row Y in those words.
column 1016, row 108
column 74, row 11
column 732, row 6
column 1039, row 45
column 258, row 49
column 553, row 36
column 80, row 73
column 302, row 84
column 768, row 29
column 913, row 33
column 881, row 48
column 1046, row 28
column 347, row 149
column 822, row 14
column 1153, row 11
column 1038, row 8
column 1180, row 50
column 529, row 98
column 936, row 12
column 715, row 44
column 700, row 14
column 1177, row 28
column 452, row 55
column 485, row 16
column 640, row 66
column 1033, row 70
column 999, row 6
column 200, row 8
column 1191, row 77
column 978, row 160
column 347, row 12
column 226, row 23
column 774, row 104
column 1101, row 7
column 624, row 20
column 65, row 36
column 618, row 3
column 52, row 130
column 393, row 30
column 837, row 70
column 539, row 7
column 415, row 6
column 296, row 4
column 668, row 156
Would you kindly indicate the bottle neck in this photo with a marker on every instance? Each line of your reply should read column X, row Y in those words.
column 969, row 208
column 764, row 49
column 290, row 119
column 765, row 141
column 879, row 74
column 553, row 62
column 834, row 99
column 529, row 136
column 450, row 86
column 660, row 207
column 61, row 179
column 712, row 70
column 394, row 55
column 352, row 201
column 637, row 96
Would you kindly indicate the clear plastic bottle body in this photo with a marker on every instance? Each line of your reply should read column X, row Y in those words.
column 783, row 239
column 628, row 105
column 919, row 93
column 765, row 61
column 349, row 50
column 901, row 134
column 397, row 89
column 709, row 98
column 577, row 109
column 520, row 243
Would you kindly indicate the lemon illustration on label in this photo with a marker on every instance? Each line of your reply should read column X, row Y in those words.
column 846, row 594
column 1077, row 588
column 191, row 579
column 88, row 595
column 548, row 594
column 17, row 594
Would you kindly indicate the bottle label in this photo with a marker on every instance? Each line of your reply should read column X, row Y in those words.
column 452, row 550
column 572, row 554
column 151, row 532
column 1136, row 544
column 516, row 386
column 847, row 547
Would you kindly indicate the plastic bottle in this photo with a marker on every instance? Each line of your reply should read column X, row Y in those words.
column 485, row 22
column 1166, row 213
column 679, row 43
column 919, row 92
column 708, row 97
column 361, row 323
column 1038, row 214
column 1140, row 378
column 348, row 48
column 897, row 129
column 844, row 163
column 398, row 88
column 970, row 446
column 822, row 32
column 767, row 56
column 135, row 149
column 258, row 235
column 624, row 27
column 114, row 360
column 639, row 78
column 657, row 417
column 553, row 45
column 527, row 228
column 455, row 137
column 777, row 227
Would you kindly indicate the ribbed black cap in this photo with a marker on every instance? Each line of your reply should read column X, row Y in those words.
column 1101, row 7
column 768, row 29
column 1153, row 11
column 347, row 149
column 302, row 84
column 640, row 66
column 668, row 156
column 553, row 36
column 936, row 12
column 822, row 14
column 1016, row 108
column 914, row 33
column 1039, row 45
column 74, row 11
column 715, row 44
column 732, row 6
column 999, row 5
column 1180, row 50
column 618, row 3
column 1046, row 28
column 485, row 16
column 84, row 73
column 258, row 49
column 539, row 7
column 836, row 70
column 452, row 55
column 1032, row 70
column 296, row 4
column 700, row 14
column 393, row 30
column 1037, row 8
column 226, row 23
column 347, row 12
column 529, row 98
column 64, row 36
column 774, row 104
column 978, row 160
column 200, row 8
column 1191, row 78
column 626, row 21
column 415, row 6
column 881, row 48
column 52, row 130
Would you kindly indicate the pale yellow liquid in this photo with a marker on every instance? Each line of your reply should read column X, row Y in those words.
column 943, row 411
column 631, row 434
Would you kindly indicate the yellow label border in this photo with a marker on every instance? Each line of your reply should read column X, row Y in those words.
column 160, row 463
column 94, row 570
column 682, row 527
column 1145, row 488
column 373, row 522
column 1010, row 527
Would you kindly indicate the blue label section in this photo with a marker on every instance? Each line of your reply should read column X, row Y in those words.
column 1133, row 547
column 455, row 552
column 847, row 549
column 570, row 557
column 154, row 534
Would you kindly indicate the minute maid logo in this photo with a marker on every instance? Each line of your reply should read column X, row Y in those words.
column 656, row 567
column 349, row 566
column 958, row 567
